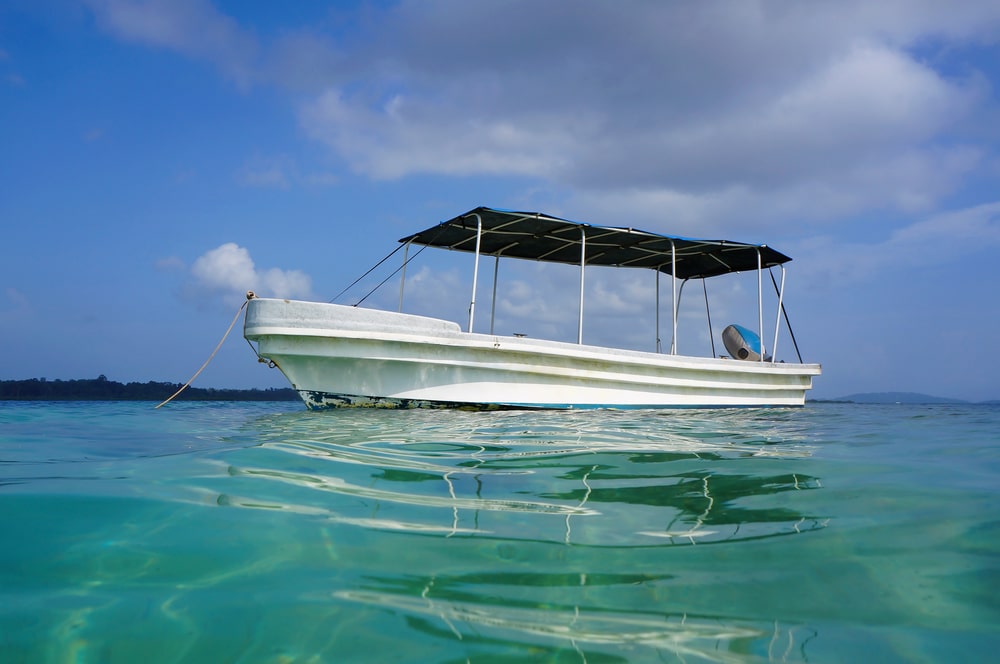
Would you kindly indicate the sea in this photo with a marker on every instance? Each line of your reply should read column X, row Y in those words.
column 263, row 532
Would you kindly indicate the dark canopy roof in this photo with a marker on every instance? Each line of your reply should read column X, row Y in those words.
column 539, row 237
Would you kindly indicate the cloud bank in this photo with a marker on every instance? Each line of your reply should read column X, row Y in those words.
column 689, row 117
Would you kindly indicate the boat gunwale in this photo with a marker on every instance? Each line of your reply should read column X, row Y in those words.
column 529, row 346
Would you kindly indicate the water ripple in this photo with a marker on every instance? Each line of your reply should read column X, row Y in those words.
column 606, row 477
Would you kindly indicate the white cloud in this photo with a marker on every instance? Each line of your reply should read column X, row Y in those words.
column 322, row 179
column 192, row 27
column 10, row 76
column 909, row 181
column 93, row 135
column 411, row 135
column 810, row 113
column 284, row 283
column 949, row 235
column 228, row 266
column 718, row 116
column 861, row 109
column 230, row 271
column 422, row 294
column 267, row 173
column 14, row 306
column 16, row 298
column 281, row 172
column 933, row 241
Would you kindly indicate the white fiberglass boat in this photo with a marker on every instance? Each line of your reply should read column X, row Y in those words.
column 337, row 355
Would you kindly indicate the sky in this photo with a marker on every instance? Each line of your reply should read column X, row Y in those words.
column 159, row 158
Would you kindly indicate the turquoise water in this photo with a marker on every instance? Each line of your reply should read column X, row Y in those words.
column 224, row 532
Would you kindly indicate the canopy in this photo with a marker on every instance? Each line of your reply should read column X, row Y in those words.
column 540, row 237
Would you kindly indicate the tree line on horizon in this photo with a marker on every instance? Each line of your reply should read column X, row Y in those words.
column 102, row 389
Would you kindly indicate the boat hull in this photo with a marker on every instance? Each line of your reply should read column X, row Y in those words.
column 341, row 356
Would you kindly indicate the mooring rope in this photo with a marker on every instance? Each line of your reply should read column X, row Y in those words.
column 250, row 296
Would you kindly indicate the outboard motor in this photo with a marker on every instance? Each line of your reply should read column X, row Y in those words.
column 743, row 344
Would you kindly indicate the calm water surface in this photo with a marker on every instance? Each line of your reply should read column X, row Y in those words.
column 221, row 532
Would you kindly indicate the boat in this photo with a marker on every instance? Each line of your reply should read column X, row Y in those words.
column 338, row 355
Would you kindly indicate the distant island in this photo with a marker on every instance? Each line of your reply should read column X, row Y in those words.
column 901, row 398
column 102, row 389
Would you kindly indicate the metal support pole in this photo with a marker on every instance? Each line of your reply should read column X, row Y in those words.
column 777, row 320
column 658, row 349
column 708, row 313
column 788, row 323
column 402, row 279
column 680, row 298
column 583, row 263
column 475, row 270
column 760, row 304
column 493, row 304
column 673, row 295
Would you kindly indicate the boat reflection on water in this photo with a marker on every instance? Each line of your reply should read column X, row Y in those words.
column 589, row 631
column 612, row 535
column 513, row 476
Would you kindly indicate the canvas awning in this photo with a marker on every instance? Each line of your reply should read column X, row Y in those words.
column 540, row 237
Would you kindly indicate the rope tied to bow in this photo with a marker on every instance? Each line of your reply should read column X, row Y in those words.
column 250, row 296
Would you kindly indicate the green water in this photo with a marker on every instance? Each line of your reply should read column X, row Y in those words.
column 222, row 532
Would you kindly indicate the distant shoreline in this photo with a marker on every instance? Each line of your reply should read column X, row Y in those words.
column 102, row 389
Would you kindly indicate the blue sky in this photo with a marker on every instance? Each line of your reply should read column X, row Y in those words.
column 158, row 158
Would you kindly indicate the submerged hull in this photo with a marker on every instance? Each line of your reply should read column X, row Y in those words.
column 337, row 356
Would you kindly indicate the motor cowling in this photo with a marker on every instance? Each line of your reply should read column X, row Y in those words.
column 741, row 343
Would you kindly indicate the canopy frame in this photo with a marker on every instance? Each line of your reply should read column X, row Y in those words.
column 544, row 238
